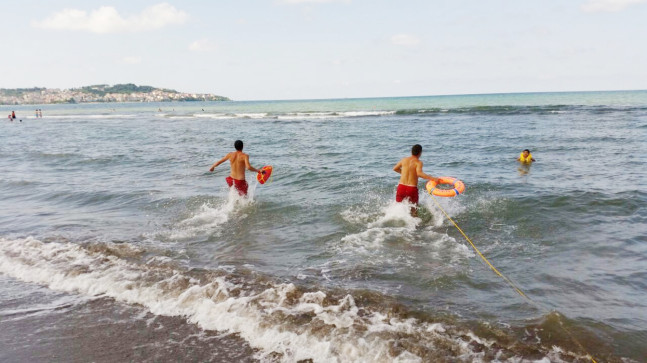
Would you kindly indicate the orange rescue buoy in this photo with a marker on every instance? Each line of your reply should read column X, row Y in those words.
column 458, row 187
column 265, row 174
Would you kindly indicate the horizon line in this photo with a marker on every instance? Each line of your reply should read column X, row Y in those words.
column 353, row 98
column 434, row 95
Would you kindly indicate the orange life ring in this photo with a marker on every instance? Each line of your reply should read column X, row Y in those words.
column 458, row 187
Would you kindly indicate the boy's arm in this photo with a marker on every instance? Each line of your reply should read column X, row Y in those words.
column 219, row 162
column 398, row 167
column 249, row 166
column 421, row 174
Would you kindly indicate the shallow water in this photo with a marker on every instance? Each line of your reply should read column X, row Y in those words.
column 115, row 202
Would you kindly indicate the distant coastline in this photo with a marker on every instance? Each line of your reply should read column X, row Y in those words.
column 101, row 93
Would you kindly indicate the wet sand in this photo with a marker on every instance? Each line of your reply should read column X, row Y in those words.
column 102, row 330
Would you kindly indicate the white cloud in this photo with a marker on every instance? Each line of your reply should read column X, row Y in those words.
column 407, row 40
column 202, row 45
column 107, row 19
column 132, row 60
column 609, row 5
column 312, row 1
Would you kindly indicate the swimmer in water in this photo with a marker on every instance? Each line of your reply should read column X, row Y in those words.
column 526, row 157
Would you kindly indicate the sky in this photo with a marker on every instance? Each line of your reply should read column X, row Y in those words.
column 309, row 49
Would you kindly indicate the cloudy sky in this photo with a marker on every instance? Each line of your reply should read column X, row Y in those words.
column 293, row 49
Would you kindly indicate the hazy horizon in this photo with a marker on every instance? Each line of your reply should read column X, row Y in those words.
column 343, row 98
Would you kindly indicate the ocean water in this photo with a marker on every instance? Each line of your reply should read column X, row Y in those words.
column 118, row 244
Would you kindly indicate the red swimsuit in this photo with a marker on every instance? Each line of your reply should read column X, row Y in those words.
column 407, row 192
column 240, row 185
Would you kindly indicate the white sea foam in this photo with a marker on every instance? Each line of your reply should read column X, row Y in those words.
column 389, row 212
column 214, row 116
column 452, row 206
column 331, row 115
column 366, row 113
column 392, row 221
column 102, row 116
column 209, row 218
column 252, row 115
column 272, row 318
column 396, row 213
column 318, row 115
column 385, row 229
column 309, row 116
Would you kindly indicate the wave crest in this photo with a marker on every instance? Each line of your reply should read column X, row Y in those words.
column 281, row 320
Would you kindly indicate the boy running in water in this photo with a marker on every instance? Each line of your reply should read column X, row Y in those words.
column 239, row 161
column 410, row 169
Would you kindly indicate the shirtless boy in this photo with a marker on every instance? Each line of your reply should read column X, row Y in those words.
column 410, row 169
column 239, row 161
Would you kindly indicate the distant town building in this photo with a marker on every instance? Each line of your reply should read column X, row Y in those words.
column 100, row 93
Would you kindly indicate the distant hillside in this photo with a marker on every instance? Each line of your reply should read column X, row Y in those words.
column 100, row 93
column 102, row 89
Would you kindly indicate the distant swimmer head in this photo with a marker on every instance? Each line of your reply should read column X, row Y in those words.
column 238, row 145
column 526, row 152
column 416, row 150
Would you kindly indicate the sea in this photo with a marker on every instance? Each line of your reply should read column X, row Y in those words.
column 118, row 244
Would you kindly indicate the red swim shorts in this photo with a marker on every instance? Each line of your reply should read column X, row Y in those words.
column 241, row 185
column 406, row 192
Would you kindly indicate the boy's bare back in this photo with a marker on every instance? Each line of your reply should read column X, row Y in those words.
column 239, row 161
column 409, row 170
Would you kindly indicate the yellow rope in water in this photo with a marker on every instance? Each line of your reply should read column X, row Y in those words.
column 518, row 290
column 483, row 257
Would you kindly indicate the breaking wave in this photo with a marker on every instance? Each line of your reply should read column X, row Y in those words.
column 282, row 321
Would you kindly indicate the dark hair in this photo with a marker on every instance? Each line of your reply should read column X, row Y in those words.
column 238, row 145
column 416, row 149
column 527, row 150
